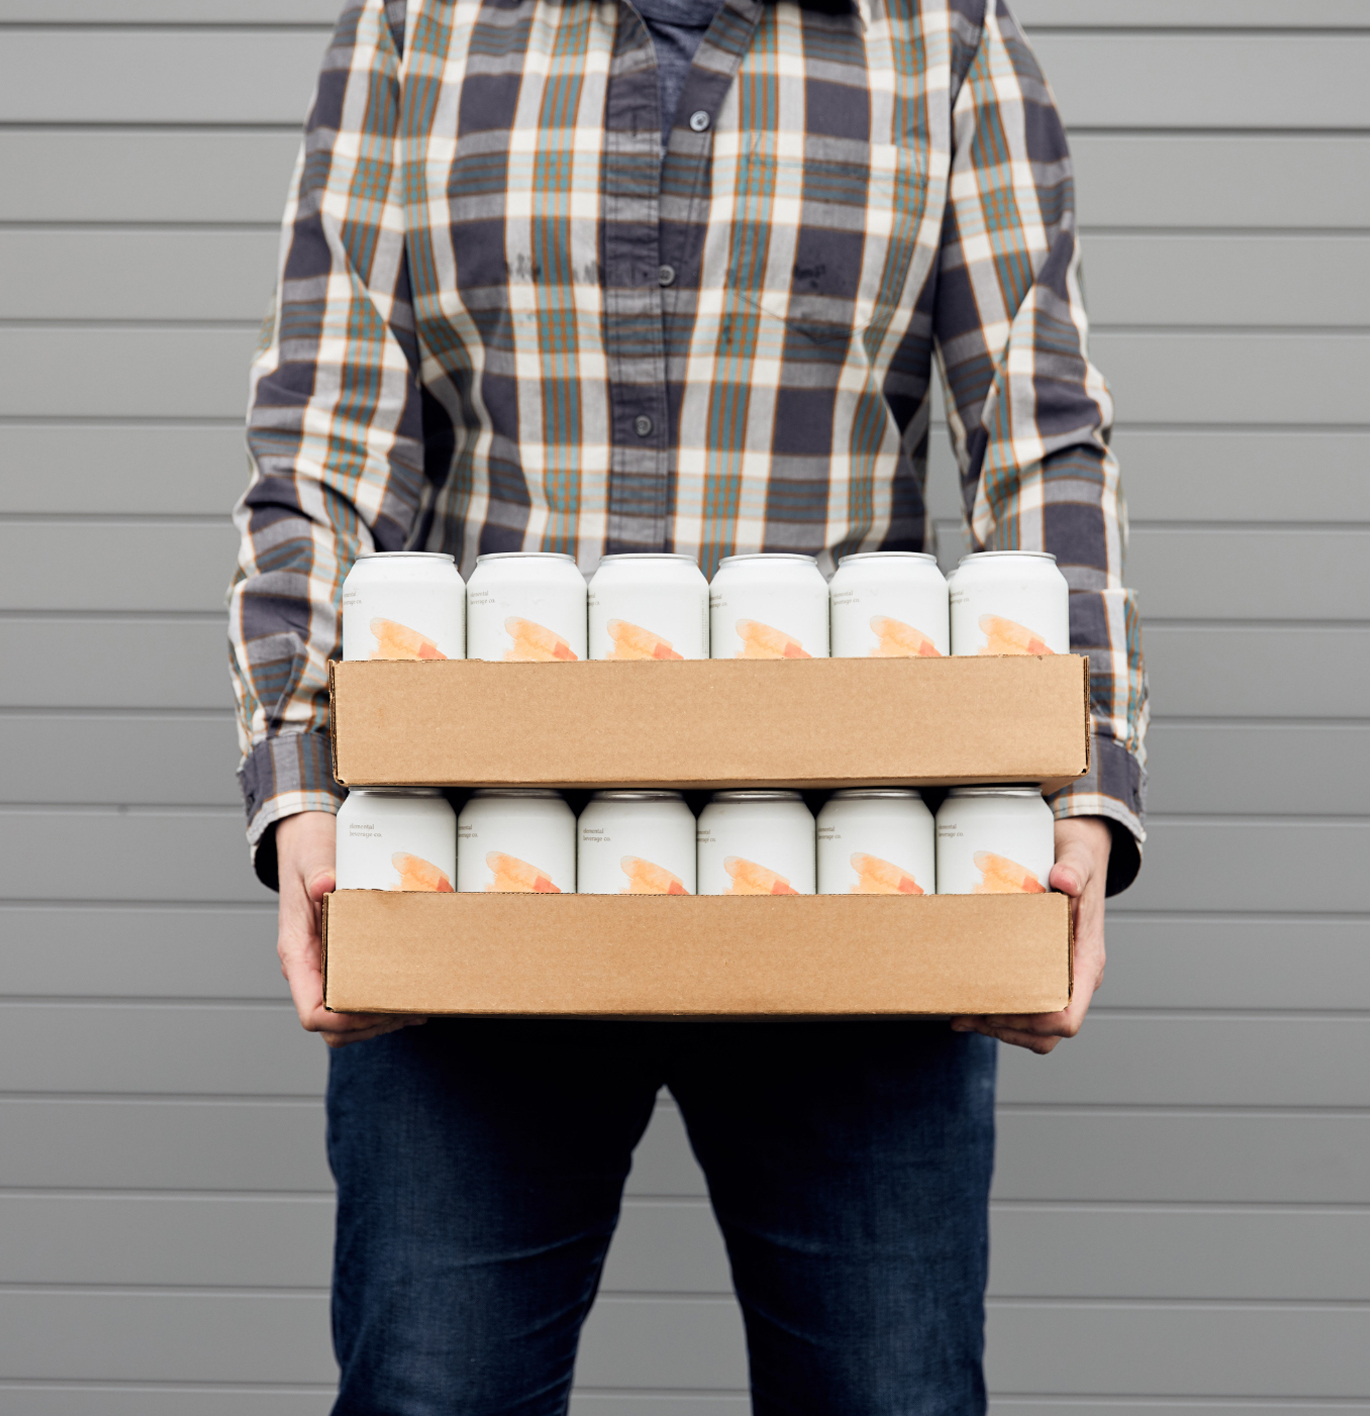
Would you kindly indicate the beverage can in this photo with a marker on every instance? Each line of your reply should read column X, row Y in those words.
column 756, row 842
column 649, row 607
column 768, row 606
column 392, row 838
column 526, row 606
column 636, row 842
column 403, row 605
column 516, row 840
column 889, row 605
column 876, row 841
column 994, row 841
column 1009, row 602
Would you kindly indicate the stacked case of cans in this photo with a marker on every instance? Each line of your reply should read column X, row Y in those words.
column 536, row 607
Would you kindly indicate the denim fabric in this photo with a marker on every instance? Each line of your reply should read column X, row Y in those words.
column 480, row 1165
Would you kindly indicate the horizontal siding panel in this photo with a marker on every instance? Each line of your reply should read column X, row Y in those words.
column 167, row 1240
column 1228, row 180
column 163, row 1145
column 1253, row 866
column 1122, row 1060
column 1188, row 1156
column 162, row 1049
column 199, row 1337
column 602, row 1403
column 694, row 1344
column 1132, row 279
column 128, row 761
column 123, row 469
column 159, row 76
column 1210, row 280
column 1247, row 672
column 138, row 275
column 1299, row 964
column 124, row 855
column 120, row 567
column 103, row 951
column 1164, row 1406
column 61, row 1399
column 663, row 1163
column 113, row 663
column 1304, row 769
column 237, row 177
column 1166, row 81
column 1250, row 574
column 103, row 371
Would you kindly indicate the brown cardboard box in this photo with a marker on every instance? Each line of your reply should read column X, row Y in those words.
column 711, row 723
column 652, row 956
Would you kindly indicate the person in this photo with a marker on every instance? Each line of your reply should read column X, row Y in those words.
column 584, row 276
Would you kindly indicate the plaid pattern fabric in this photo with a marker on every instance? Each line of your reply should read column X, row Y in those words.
column 504, row 322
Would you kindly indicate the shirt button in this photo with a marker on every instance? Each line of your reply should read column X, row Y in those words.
column 665, row 275
column 642, row 426
column 699, row 120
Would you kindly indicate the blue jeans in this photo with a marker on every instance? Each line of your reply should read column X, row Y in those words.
column 480, row 1165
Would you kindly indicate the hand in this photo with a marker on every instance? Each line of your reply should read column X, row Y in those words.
column 1081, row 871
column 305, row 849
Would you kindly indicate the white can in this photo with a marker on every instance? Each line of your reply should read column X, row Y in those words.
column 649, row 607
column 525, row 606
column 889, row 605
column 519, row 840
column 1009, row 602
column 994, row 841
column 768, row 606
column 636, row 842
column 404, row 605
column 392, row 838
column 756, row 843
column 876, row 841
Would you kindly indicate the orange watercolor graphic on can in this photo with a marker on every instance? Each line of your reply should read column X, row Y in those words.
column 631, row 641
column 645, row 878
column 535, row 643
column 762, row 641
column 1006, row 637
column 515, row 876
column 397, row 641
column 881, row 877
column 419, row 874
column 900, row 641
column 749, row 878
column 1005, row 877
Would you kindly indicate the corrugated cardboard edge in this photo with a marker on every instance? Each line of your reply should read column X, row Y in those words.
column 698, row 957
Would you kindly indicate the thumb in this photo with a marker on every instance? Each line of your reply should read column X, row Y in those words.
column 1071, row 872
column 320, row 883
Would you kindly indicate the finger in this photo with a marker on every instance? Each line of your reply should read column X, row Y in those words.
column 379, row 1029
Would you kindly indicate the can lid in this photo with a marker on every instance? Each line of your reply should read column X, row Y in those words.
column 543, row 792
column 888, row 555
column 876, row 793
column 756, row 794
column 525, row 555
column 1020, row 555
column 405, row 555
column 649, row 556
column 395, row 791
column 636, row 794
column 769, row 556
column 1009, row 789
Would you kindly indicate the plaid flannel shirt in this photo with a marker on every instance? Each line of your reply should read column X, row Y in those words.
column 506, row 321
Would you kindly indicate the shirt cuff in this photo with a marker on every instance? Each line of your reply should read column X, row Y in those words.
column 1115, row 789
column 280, row 777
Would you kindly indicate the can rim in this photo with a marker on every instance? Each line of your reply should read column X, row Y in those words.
column 985, row 555
column 1009, row 789
column 405, row 555
column 525, row 555
column 637, row 794
column 877, row 793
column 649, row 556
column 540, row 793
column 769, row 556
column 756, row 794
column 395, row 791
column 887, row 555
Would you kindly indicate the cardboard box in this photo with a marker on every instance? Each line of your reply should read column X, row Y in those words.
column 711, row 723
column 705, row 956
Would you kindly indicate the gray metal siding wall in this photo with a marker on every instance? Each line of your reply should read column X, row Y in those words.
column 1180, row 1222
